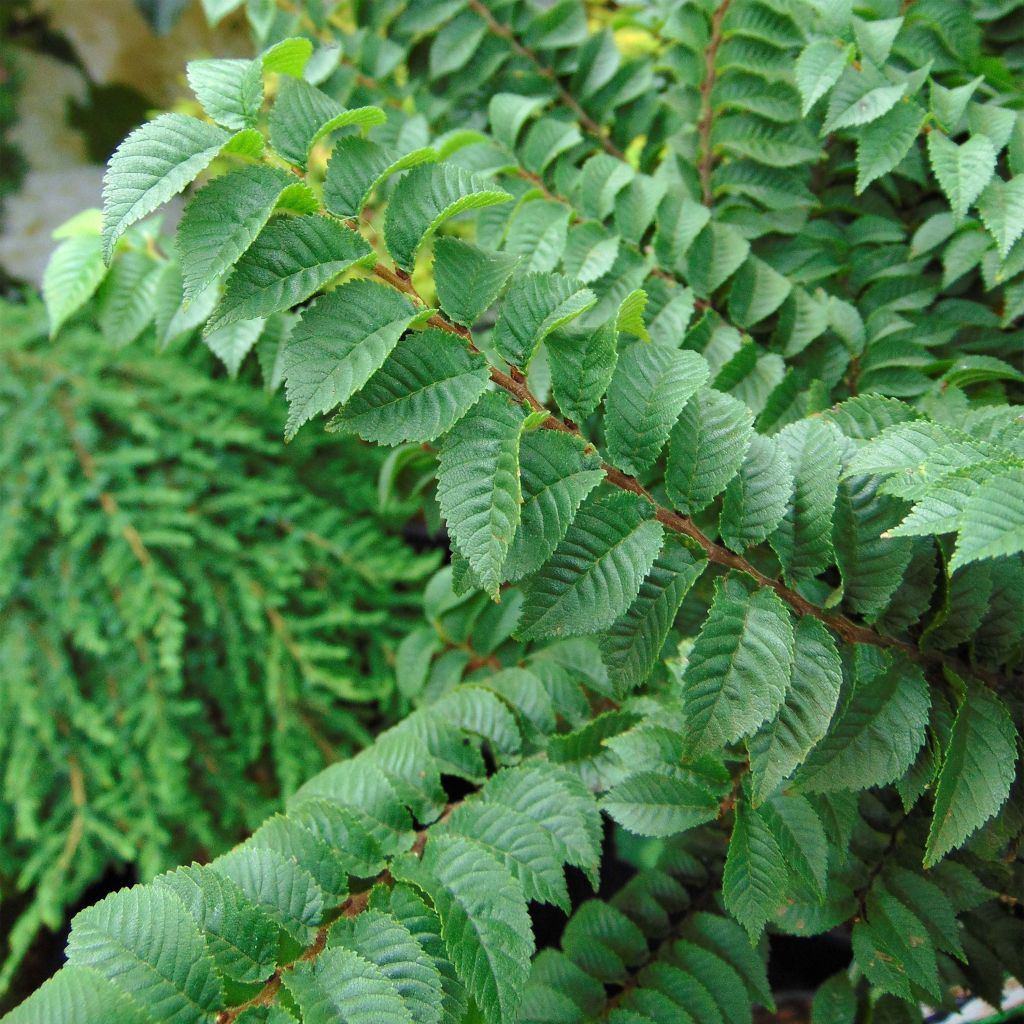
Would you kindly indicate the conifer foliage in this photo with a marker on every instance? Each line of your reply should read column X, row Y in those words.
column 710, row 314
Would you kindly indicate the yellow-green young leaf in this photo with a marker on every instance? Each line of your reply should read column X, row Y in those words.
column 224, row 218
column 534, row 306
column 338, row 344
column 78, row 995
column 818, row 68
column 468, row 278
column 706, row 448
column 650, row 386
column 288, row 57
column 756, row 499
column 803, row 540
column 341, row 987
column 291, row 258
column 1001, row 206
column 71, row 278
column 484, row 920
column 781, row 745
column 358, row 166
column 977, row 772
column 424, row 199
column 992, row 521
column 755, row 871
column 154, row 163
column 478, row 485
column 230, row 91
column 874, row 736
column 581, row 369
column 144, row 941
column 962, row 171
column 631, row 646
column 428, row 382
column 739, row 669
column 556, row 476
column 595, row 572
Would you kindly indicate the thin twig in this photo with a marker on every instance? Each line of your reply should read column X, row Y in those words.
column 707, row 117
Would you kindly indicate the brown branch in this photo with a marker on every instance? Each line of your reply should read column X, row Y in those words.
column 704, row 124
column 565, row 97
column 353, row 906
column 851, row 632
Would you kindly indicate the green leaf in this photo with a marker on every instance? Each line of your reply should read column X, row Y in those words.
column 484, row 920
column 650, row 386
column 893, row 948
column 723, row 937
column 341, row 987
column 962, row 171
column 534, row 306
column 241, row 939
column 560, row 803
column 590, row 252
column 883, row 144
column 71, row 278
column 426, row 385
column 752, row 882
column 277, row 884
column 291, row 258
column 152, row 165
column 596, row 571
column 126, row 298
column 992, row 522
column 302, row 115
column 358, row 166
column 739, row 669
column 526, row 848
column 603, row 941
column 652, row 803
column 874, row 736
column 78, row 995
column 781, row 745
column 224, row 218
column 716, row 254
column 125, row 938
column 338, row 344
column 757, row 291
column 875, row 38
column 230, row 91
column 386, row 942
column 817, row 69
column 803, row 540
column 1001, row 207
column 801, row 837
column 706, row 448
column 424, row 199
column 756, row 499
column 406, row 906
column 835, row 1002
column 468, row 278
column 860, row 98
column 632, row 644
column 581, row 369
column 555, row 476
column 456, row 42
column 977, row 772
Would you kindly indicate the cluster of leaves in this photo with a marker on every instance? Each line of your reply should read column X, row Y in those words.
column 722, row 415
column 192, row 620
